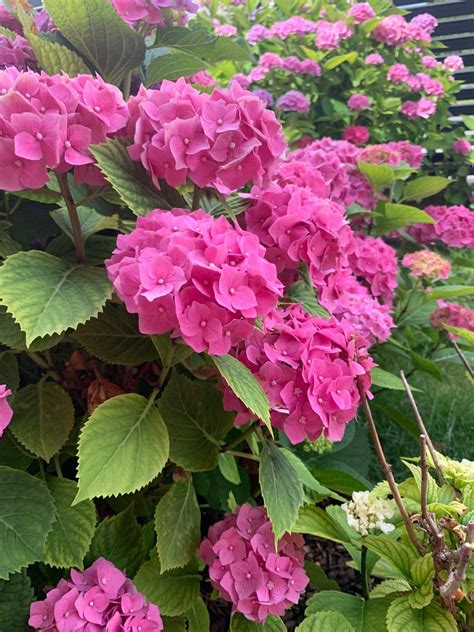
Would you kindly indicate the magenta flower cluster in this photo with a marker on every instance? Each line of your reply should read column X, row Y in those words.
column 357, row 134
column 454, row 227
column 375, row 263
column 454, row 315
column 198, row 277
column 15, row 52
column 294, row 26
column 49, row 122
column 247, row 569
column 309, row 367
column 358, row 102
column 291, row 64
column 393, row 153
column 100, row 599
column 6, row 412
column 293, row 101
column 225, row 139
column 394, row 30
column 361, row 12
column 151, row 11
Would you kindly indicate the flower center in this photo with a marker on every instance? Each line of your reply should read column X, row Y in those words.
column 39, row 136
column 203, row 323
column 186, row 141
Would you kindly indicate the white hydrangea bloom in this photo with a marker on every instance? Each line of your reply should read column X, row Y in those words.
column 366, row 513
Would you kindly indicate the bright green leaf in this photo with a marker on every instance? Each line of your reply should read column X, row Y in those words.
column 43, row 418
column 465, row 334
column 47, row 295
column 424, row 187
column 379, row 176
column 313, row 520
column 364, row 616
column 402, row 618
column 306, row 296
column 228, row 467
column 383, row 378
column 397, row 216
column 337, row 60
column 123, row 446
column 397, row 554
column 171, row 63
column 449, row 291
column 327, row 621
column 307, row 478
column 318, row 578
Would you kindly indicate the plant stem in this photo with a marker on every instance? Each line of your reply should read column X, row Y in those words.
column 243, row 455
column 42, row 470
column 37, row 359
column 73, row 216
column 363, row 572
column 422, row 427
column 57, row 466
column 127, row 83
column 463, row 359
column 387, row 470
column 238, row 440
column 196, row 197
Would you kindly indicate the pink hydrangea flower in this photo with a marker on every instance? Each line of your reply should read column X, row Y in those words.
column 453, row 63
column 454, row 226
column 330, row 34
column 257, row 577
column 375, row 263
column 423, row 108
column 462, row 146
column 393, row 153
column 361, row 12
column 195, row 276
column 398, row 73
column 271, row 60
column 6, row 412
column 454, row 315
column 358, row 102
column 225, row 30
column 428, row 264
column 392, row 30
column 430, row 62
column 264, row 95
column 257, row 33
column 99, row 599
column 357, row 134
column 16, row 52
column 202, row 78
column 10, row 21
column 151, row 11
column 296, row 25
column 293, row 101
column 374, row 59
column 425, row 21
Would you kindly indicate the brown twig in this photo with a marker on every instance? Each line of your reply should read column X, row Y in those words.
column 458, row 575
column 422, row 428
column 463, row 359
column 73, row 216
column 387, row 470
column 430, row 523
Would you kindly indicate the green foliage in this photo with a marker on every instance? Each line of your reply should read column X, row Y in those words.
column 26, row 516
column 239, row 623
column 282, row 489
column 424, row 187
column 15, row 597
column 73, row 527
column 196, row 423
column 90, row 220
column 177, row 526
column 395, row 216
column 198, row 617
column 43, row 418
column 401, row 617
column 123, row 446
column 96, row 30
column 379, row 176
column 315, row 521
column 325, row 622
column 46, row 295
column 363, row 616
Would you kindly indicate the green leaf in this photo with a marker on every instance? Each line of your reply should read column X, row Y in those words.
column 97, row 31
column 340, row 476
column 9, row 374
column 337, row 60
column 12, row 336
column 388, row 587
column 225, row 49
column 171, row 64
column 397, row 216
column 447, row 291
column 364, row 616
column 123, row 446
column 15, row 598
column 73, row 527
column 128, row 178
column 44, row 195
column 397, row 554
column 245, row 386
column 239, row 623
column 307, row 478
column 228, row 467
column 282, row 489
column 198, row 617
column 11, row 455
column 26, row 515
column 432, row 489
column 177, row 526
column 465, row 334
column 120, row 539
column 7, row 33
column 402, row 618
column 424, row 187
column 91, row 221
column 318, row 578
column 43, row 418
column 379, row 176
column 313, row 520
column 196, row 422
column 8, row 246
column 327, row 621
column 46, row 295
column 383, row 378
column 306, row 296
column 174, row 592
column 114, row 337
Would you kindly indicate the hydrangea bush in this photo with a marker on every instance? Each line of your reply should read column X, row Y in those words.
column 200, row 293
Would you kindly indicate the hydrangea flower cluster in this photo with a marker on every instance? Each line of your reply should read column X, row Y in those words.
column 361, row 12
column 452, row 314
column 151, row 11
column 99, row 599
column 49, row 122
column 225, row 30
column 423, row 108
column 462, row 146
column 357, row 134
column 198, row 277
column 291, row 64
column 358, row 102
column 366, row 513
column 375, row 263
column 309, row 368
column 294, row 26
column 293, row 101
column 15, row 52
column 427, row 264
column 374, row 59
column 6, row 412
column 453, row 63
column 458, row 473
column 454, row 226
column 394, row 30
column 225, row 139
column 247, row 569
column 393, row 153
column 330, row 34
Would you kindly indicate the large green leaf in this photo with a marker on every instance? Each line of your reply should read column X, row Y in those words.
column 364, row 616
column 282, row 489
column 90, row 220
column 114, row 337
column 119, row 539
column 171, row 63
column 239, row 623
column 9, row 374
column 12, row 336
column 16, row 594
column 97, row 31
column 337, row 60
column 128, row 178
column 198, row 617
column 73, row 527
column 379, row 176
column 397, row 216
column 196, row 422
column 177, row 525
column 384, row 379
column 315, row 521
column 43, row 418
column 245, row 386
column 340, row 476
column 449, row 291
column 174, row 592
column 424, row 187
column 46, row 295
column 402, row 618
column 26, row 515
column 400, row 556
column 123, row 446
column 326, row 621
